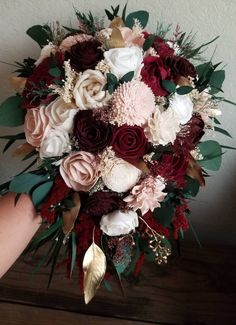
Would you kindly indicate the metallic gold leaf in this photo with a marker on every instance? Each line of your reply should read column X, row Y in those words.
column 23, row 150
column 69, row 217
column 94, row 267
column 117, row 22
column 182, row 81
column 116, row 39
column 194, row 171
column 140, row 164
column 18, row 83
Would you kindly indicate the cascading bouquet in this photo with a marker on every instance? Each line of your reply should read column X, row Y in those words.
column 113, row 119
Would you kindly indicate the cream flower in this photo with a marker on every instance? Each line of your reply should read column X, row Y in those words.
column 88, row 91
column 117, row 174
column 61, row 114
column 132, row 103
column 36, row 124
column 162, row 127
column 79, row 171
column 55, row 143
column 124, row 60
column 119, row 223
column 46, row 52
column 182, row 105
column 147, row 195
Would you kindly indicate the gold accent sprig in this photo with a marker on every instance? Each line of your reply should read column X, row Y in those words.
column 156, row 244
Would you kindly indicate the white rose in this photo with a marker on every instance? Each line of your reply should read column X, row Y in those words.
column 88, row 91
column 124, row 60
column 46, row 52
column 55, row 143
column 182, row 105
column 119, row 175
column 162, row 127
column 119, row 223
column 61, row 114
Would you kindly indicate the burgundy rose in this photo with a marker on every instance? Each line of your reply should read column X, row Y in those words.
column 92, row 135
column 180, row 67
column 191, row 134
column 85, row 55
column 172, row 166
column 101, row 203
column 129, row 142
column 36, row 87
column 153, row 73
column 162, row 48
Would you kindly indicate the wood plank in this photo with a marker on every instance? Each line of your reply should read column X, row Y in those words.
column 198, row 287
column 15, row 314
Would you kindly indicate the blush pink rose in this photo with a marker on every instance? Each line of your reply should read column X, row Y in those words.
column 36, row 125
column 80, row 171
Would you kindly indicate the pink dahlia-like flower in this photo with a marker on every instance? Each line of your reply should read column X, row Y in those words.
column 147, row 195
column 132, row 104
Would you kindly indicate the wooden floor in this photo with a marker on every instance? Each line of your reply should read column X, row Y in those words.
column 197, row 288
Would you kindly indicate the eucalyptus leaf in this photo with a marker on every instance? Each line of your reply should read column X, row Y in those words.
column 169, row 86
column 216, row 81
column 127, row 77
column 40, row 34
column 141, row 15
column 73, row 252
column 184, row 90
column 25, row 182
column 11, row 114
column 148, row 42
column 191, row 188
column 212, row 155
column 41, row 192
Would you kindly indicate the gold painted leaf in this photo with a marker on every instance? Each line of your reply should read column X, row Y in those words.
column 194, row 171
column 94, row 267
column 116, row 39
column 69, row 217
column 23, row 150
column 117, row 22
column 18, row 84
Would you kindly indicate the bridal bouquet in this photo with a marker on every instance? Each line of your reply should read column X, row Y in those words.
column 113, row 123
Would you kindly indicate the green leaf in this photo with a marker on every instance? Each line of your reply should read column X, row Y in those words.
column 216, row 121
column 19, row 136
column 216, row 81
column 223, row 131
column 184, row 90
column 124, row 12
column 44, row 236
column 212, row 152
column 127, row 77
column 24, row 183
column 54, row 72
column 169, row 86
column 164, row 215
column 55, row 255
column 109, row 15
column 148, row 42
column 41, row 192
column 112, row 79
column 40, row 34
column 11, row 114
column 191, row 188
column 73, row 252
column 227, row 147
column 141, row 15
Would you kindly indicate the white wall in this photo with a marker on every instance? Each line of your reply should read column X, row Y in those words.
column 214, row 212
